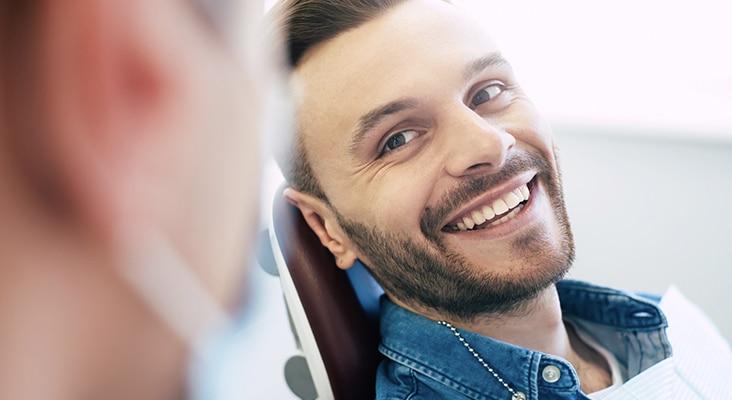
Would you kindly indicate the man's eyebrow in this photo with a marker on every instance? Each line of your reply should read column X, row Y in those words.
column 493, row 60
column 372, row 118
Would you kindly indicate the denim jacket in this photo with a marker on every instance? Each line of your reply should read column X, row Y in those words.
column 425, row 360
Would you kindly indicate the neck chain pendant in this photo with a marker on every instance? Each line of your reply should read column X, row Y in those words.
column 515, row 395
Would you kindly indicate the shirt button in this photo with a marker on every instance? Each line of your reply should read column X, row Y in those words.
column 518, row 396
column 551, row 373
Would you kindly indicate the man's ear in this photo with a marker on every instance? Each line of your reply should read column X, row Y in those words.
column 324, row 223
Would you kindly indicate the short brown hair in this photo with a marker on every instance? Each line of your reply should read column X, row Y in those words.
column 304, row 24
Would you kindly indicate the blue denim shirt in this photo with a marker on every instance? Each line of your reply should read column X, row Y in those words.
column 425, row 360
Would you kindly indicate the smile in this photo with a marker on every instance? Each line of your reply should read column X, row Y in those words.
column 494, row 213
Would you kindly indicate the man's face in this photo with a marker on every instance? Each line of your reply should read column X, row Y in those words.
column 435, row 163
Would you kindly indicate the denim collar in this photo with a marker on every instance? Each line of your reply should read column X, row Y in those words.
column 630, row 327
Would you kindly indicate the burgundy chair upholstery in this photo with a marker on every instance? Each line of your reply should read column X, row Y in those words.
column 333, row 312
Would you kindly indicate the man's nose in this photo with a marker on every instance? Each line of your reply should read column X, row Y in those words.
column 475, row 145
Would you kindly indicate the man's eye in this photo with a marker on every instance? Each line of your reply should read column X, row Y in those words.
column 398, row 139
column 486, row 94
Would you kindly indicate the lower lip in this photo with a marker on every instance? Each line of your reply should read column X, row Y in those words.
column 529, row 213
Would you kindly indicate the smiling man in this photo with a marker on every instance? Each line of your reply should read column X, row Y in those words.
column 419, row 154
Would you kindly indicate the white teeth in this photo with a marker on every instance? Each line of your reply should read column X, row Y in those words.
column 488, row 213
column 524, row 191
column 518, row 195
column 500, row 207
column 511, row 201
column 507, row 216
column 478, row 217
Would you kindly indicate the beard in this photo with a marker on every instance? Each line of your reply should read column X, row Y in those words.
column 425, row 274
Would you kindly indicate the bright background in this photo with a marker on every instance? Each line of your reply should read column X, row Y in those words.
column 640, row 97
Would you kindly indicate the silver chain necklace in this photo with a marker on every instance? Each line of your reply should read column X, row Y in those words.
column 515, row 395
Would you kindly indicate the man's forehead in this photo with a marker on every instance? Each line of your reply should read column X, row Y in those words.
column 378, row 60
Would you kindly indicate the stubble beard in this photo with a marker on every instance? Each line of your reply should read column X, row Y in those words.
column 426, row 275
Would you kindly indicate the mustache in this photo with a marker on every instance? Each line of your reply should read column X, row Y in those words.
column 466, row 190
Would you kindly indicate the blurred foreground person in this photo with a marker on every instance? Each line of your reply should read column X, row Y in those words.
column 129, row 164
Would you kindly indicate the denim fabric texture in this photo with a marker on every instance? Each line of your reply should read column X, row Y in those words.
column 424, row 360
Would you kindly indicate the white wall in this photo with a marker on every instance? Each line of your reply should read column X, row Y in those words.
column 650, row 212
column 665, row 65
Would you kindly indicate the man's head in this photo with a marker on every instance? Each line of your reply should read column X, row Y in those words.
column 128, row 136
column 416, row 131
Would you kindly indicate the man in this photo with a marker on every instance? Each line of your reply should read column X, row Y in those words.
column 419, row 154
column 129, row 162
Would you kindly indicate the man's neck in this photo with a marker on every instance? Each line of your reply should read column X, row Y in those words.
column 544, row 314
column 519, row 327
column 537, row 325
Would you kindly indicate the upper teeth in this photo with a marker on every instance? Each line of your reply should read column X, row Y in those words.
column 499, row 207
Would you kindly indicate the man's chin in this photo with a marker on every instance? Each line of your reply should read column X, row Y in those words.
column 490, row 296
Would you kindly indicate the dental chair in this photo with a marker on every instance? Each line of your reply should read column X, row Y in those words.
column 333, row 313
